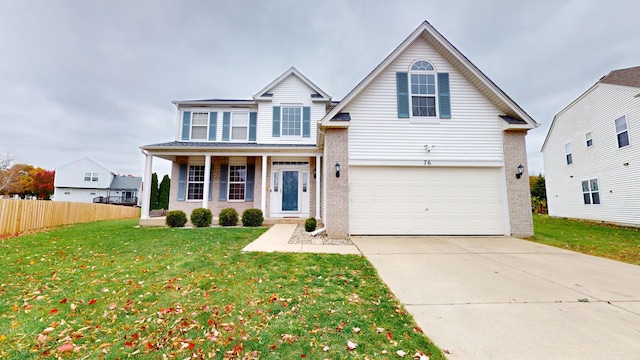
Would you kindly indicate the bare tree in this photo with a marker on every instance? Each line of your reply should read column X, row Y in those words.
column 7, row 161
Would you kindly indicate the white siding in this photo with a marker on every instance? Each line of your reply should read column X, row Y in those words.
column 595, row 112
column 292, row 91
column 377, row 136
column 71, row 175
column 77, row 195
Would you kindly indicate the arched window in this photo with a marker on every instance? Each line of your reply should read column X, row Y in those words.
column 423, row 89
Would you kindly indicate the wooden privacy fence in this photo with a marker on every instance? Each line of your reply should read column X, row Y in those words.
column 17, row 216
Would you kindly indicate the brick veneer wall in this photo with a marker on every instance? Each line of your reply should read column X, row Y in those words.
column 337, row 201
column 518, row 193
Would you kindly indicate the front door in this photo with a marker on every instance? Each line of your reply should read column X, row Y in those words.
column 289, row 191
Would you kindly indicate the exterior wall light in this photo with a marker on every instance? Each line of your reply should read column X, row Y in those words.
column 520, row 171
column 337, row 170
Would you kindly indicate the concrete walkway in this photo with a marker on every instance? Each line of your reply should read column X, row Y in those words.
column 276, row 239
column 506, row 298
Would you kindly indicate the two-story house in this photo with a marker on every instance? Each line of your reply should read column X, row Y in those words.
column 85, row 180
column 590, row 159
column 426, row 144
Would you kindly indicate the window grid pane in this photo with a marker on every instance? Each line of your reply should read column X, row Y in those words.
column 87, row 176
column 195, row 182
column 237, row 178
column 291, row 121
column 623, row 139
column 590, row 192
column 423, row 106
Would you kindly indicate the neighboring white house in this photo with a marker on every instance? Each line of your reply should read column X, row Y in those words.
column 591, row 153
column 85, row 180
column 425, row 144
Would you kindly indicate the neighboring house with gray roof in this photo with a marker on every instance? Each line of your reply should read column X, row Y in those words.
column 591, row 154
column 85, row 180
column 425, row 144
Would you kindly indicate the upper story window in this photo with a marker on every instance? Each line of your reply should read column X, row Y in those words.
column 567, row 152
column 622, row 131
column 291, row 121
column 199, row 125
column 89, row 176
column 239, row 126
column 589, row 139
column 423, row 93
column 423, row 89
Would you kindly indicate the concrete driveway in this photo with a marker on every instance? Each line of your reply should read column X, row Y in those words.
column 506, row 298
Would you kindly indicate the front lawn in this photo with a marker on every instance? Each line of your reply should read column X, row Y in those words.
column 613, row 242
column 110, row 290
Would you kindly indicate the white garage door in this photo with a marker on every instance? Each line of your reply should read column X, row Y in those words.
column 425, row 201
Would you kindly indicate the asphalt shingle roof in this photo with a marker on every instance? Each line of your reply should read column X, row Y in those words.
column 624, row 77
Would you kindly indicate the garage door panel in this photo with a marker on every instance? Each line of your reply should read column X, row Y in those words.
column 425, row 201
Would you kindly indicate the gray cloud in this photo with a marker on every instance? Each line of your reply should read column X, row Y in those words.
column 97, row 78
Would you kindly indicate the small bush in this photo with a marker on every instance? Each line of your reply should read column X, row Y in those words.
column 228, row 217
column 252, row 217
column 176, row 218
column 310, row 224
column 201, row 217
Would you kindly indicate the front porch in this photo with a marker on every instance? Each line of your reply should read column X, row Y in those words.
column 286, row 186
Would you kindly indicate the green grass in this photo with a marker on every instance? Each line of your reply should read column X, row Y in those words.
column 110, row 290
column 613, row 242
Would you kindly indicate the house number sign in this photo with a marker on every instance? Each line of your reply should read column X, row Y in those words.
column 427, row 162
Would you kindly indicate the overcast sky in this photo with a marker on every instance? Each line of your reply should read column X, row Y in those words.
column 96, row 78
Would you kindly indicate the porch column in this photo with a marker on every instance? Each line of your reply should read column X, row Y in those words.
column 263, row 189
column 207, row 179
column 146, row 186
column 318, row 187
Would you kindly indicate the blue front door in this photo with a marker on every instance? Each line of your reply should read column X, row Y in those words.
column 290, row 191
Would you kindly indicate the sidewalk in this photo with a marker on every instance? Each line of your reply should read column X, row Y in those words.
column 276, row 239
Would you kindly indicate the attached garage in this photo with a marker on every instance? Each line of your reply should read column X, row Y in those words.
column 426, row 201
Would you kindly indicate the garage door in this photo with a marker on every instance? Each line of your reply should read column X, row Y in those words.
column 425, row 201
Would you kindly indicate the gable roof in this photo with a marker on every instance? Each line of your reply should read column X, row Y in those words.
column 85, row 159
column 621, row 77
column 264, row 93
column 457, row 60
column 625, row 77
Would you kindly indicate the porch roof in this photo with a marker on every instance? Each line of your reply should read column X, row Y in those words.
column 192, row 145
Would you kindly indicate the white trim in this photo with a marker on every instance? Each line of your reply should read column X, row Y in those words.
column 207, row 179
column 317, row 178
column 425, row 163
column 626, row 122
column 263, row 191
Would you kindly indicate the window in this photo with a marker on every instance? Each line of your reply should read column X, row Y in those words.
column 199, row 125
column 237, row 181
column 567, row 152
column 622, row 131
column 590, row 192
column 291, row 121
column 239, row 126
column 89, row 176
column 589, row 139
column 304, row 181
column 195, row 182
column 93, row 192
column 67, row 191
column 423, row 89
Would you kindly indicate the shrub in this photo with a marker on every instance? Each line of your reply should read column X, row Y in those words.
column 252, row 217
column 310, row 224
column 228, row 217
column 201, row 217
column 176, row 218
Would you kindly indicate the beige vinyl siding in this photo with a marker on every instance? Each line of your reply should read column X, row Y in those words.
column 619, row 185
column 291, row 91
column 377, row 136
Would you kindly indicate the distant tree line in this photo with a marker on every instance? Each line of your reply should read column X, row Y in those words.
column 24, row 179
column 159, row 193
